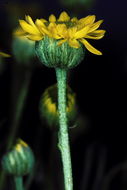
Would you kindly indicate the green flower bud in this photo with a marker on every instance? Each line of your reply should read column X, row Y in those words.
column 23, row 50
column 48, row 106
column 58, row 56
column 19, row 161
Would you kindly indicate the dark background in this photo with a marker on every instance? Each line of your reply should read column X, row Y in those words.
column 99, row 145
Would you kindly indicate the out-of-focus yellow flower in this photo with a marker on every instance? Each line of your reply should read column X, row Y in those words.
column 23, row 48
column 49, row 107
column 20, row 33
column 4, row 54
column 64, row 29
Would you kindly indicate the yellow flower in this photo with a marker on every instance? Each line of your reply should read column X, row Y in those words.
column 64, row 29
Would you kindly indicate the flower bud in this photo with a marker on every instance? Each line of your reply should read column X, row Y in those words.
column 48, row 106
column 58, row 56
column 19, row 161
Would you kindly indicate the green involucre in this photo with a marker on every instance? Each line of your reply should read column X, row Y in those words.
column 18, row 163
column 53, row 55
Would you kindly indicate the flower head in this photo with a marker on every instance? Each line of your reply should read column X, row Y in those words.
column 64, row 29
column 19, row 161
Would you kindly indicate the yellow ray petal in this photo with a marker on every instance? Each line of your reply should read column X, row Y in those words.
column 62, row 30
column 41, row 27
column 34, row 37
column 90, row 47
column 45, row 31
column 28, row 28
column 61, row 27
column 87, row 20
column 43, row 20
column 81, row 33
column 19, row 32
column 63, row 17
column 56, row 36
column 72, row 31
column 74, row 19
column 4, row 54
column 53, row 30
column 52, row 18
column 98, row 32
column 51, row 26
column 94, row 37
column 74, row 43
column 29, row 20
column 40, row 23
column 60, row 42
column 95, row 26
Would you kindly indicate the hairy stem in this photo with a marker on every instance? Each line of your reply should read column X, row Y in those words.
column 63, row 144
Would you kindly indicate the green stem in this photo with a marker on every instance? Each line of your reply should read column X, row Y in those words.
column 18, row 183
column 63, row 144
